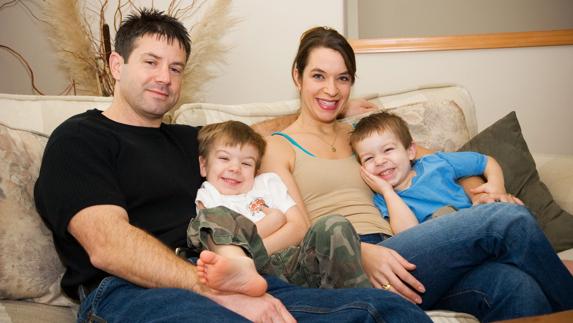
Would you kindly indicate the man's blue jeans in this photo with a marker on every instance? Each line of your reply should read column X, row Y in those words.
column 116, row 300
column 491, row 261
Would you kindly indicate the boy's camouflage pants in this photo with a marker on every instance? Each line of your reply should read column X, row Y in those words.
column 328, row 256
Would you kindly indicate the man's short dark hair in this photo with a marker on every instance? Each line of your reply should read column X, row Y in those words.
column 150, row 22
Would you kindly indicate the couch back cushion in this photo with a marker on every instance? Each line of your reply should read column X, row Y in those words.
column 441, row 118
column 45, row 113
column 199, row 114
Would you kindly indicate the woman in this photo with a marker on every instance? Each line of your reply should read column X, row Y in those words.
column 490, row 261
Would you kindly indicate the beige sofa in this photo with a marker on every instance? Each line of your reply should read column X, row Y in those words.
column 440, row 118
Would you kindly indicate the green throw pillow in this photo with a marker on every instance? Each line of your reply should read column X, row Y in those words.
column 504, row 142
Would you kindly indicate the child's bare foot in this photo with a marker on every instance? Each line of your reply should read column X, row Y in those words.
column 230, row 274
column 569, row 265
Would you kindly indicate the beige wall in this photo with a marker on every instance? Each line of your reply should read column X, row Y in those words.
column 263, row 46
column 536, row 82
column 422, row 18
column 25, row 35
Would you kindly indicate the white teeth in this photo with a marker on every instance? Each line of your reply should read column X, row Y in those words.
column 230, row 180
column 327, row 103
column 386, row 172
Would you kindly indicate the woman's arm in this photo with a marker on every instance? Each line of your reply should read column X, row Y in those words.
column 267, row 127
column 279, row 158
column 357, row 106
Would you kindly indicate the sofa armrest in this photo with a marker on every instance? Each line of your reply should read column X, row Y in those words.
column 556, row 171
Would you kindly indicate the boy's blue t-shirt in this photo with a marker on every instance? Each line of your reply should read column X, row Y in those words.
column 434, row 185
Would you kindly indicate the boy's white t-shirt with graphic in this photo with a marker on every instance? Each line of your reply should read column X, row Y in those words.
column 268, row 190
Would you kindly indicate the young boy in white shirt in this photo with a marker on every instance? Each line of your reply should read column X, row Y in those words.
column 245, row 224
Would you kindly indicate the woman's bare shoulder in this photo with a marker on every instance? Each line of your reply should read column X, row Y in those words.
column 279, row 154
column 277, row 144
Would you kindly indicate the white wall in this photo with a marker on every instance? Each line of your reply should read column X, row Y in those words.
column 24, row 34
column 422, row 18
column 264, row 45
column 536, row 82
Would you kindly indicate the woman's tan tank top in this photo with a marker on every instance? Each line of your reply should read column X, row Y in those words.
column 334, row 186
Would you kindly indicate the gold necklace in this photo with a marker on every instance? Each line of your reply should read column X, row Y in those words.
column 332, row 148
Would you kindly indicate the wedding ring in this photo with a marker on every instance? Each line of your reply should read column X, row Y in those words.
column 386, row 286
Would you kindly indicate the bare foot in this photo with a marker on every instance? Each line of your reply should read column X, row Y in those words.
column 569, row 265
column 230, row 274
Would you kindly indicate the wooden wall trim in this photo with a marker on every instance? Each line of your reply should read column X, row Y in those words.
column 478, row 41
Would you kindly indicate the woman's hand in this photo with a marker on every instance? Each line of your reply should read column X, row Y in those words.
column 486, row 193
column 388, row 270
column 357, row 106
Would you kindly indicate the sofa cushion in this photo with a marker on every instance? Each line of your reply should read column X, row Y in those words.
column 43, row 113
column 556, row 171
column 439, row 117
column 200, row 114
column 29, row 265
column 19, row 311
column 437, row 125
column 504, row 142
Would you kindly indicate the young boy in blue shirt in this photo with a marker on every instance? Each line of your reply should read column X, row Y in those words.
column 410, row 190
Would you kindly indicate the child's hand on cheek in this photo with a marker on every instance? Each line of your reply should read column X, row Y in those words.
column 376, row 183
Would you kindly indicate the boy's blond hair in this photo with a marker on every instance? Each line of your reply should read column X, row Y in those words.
column 380, row 122
column 230, row 133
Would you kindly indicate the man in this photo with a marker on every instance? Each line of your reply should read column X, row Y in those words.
column 117, row 188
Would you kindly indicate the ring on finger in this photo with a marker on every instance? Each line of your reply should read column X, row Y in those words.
column 386, row 286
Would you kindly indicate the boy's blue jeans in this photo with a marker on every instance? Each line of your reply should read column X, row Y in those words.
column 491, row 261
column 116, row 300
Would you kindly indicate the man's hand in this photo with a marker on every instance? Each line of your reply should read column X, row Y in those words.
column 257, row 309
column 357, row 106
column 385, row 267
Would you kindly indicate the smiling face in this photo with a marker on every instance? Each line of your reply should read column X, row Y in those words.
column 148, row 83
column 382, row 154
column 231, row 169
column 324, row 84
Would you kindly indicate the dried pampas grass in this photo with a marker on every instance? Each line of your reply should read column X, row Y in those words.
column 206, row 48
column 71, row 39
column 84, row 57
column 207, row 51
